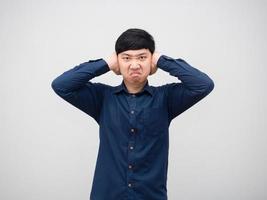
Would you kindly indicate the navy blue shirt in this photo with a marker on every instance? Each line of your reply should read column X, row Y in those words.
column 132, row 161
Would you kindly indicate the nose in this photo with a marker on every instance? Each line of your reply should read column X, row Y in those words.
column 134, row 65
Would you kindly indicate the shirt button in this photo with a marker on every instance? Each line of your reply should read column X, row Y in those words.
column 133, row 95
column 131, row 147
column 132, row 130
column 129, row 185
column 132, row 112
column 130, row 166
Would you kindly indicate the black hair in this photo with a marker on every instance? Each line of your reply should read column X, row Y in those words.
column 134, row 39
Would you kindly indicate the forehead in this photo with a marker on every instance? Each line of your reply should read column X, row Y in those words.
column 135, row 52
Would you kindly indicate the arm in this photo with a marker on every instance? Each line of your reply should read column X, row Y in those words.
column 74, row 86
column 194, row 86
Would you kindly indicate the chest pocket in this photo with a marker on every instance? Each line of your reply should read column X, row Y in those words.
column 155, row 121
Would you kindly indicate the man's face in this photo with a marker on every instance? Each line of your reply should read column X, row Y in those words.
column 135, row 65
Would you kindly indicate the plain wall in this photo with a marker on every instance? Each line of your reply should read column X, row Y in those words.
column 48, row 148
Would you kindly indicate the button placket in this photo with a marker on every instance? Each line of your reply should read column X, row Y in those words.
column 131, row 145
column 131, row 148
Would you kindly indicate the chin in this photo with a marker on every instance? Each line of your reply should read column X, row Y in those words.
column 138, row 80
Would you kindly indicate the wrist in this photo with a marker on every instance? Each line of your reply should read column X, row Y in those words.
column 156, row 57
column 108, row 63
column 112, row 63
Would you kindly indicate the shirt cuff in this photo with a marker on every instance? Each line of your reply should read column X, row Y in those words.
column 163, row 60
column 99, row 66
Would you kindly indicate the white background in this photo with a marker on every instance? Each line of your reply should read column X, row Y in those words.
column 48, row 148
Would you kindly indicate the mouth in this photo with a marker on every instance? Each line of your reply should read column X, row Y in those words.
column 135, row 73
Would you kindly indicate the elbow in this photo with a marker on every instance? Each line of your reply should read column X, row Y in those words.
column 209, row 87
column 55, row 86
column 204, row 88
column 59, row 88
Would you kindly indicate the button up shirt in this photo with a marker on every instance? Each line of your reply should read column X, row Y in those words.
column 132, row 161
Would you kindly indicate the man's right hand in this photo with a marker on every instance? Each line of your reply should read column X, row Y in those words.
column 113, row 64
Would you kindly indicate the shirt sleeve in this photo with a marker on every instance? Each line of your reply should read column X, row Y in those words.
column 75, row 87
column 194, row 85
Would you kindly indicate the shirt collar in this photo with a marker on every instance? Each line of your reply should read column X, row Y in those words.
column 122, row 87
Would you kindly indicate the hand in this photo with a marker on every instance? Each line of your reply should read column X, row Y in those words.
column 113, row 64
column 154, row 60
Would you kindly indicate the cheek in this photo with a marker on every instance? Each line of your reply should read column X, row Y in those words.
column 147, row 67
column 123, row 68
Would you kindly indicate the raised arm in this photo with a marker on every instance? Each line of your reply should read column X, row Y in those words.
column 75, row 87
column 194, row 86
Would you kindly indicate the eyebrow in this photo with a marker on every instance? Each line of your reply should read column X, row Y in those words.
column 125, row 54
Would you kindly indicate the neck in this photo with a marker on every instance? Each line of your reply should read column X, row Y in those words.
column 134, row 88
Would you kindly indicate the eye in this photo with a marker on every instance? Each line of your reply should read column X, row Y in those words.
column 126, row 58
column 142, row 57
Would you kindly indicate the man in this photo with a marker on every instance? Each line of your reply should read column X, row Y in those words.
column 133, row 117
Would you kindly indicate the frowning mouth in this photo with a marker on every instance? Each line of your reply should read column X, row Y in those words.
column 135, row 73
